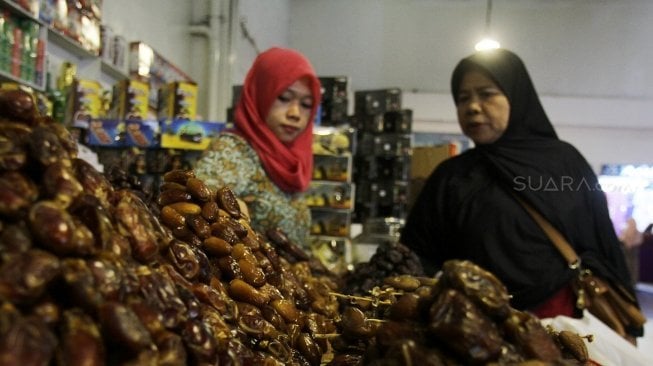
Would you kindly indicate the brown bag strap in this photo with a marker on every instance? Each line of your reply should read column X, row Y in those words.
column 554, row 235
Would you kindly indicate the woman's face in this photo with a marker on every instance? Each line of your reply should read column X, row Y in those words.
column 483, row 109
column 290, row 112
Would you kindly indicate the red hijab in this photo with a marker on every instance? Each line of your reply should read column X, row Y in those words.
column 290, row 166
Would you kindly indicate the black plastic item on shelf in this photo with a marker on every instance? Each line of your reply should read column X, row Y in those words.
column 333, row 113
column 381, row 199
column 388, row 144
column 334, row 88
column 388, row 122
column 382, row 167
column 370, row 102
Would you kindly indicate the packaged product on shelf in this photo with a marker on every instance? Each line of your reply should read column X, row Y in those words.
column 332, row 167
column 147, row 64
column 381, row 167
column 141, row 134
column 333, row 251
column 85, row 102
column 177, row 100
column 330, row 222
column 388, row 122
column 130, row 100
column 370, row 102
column 333, row 140
column 107, row 43
column 30, row 6
column 381, row 199
column 189, row 135
column 105, row 132
column 387, row 144
column 120, row 52
column 338, row 195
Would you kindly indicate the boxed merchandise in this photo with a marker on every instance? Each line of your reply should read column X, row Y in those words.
column 337, row 195
column 148, row 65
column 177, row 100
column 332, row 113
column 385, row 144
column 383, row 167
column 190, row 135
column 30, row 6
column 84, row 103
column 377, row 101
column 141, row 133
column 382, row 193
column 333, row 140
column 333, row 251
column 130, row 100
column 388, row 122
column 107, row 43
column 332, row 167
column 334, row 88
column 105, row 132
column 330, row 222
column 425, row 158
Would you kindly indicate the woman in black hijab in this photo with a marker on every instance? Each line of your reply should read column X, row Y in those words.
column 467, row 208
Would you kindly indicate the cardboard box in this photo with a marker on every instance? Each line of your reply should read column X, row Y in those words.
column 330, row 222
column 130, row 100
column 141, row 133
column 338, row 195
column 423, row 161
column 425, row 158
column 105, row 132
column 84, row 103
column 177, row 100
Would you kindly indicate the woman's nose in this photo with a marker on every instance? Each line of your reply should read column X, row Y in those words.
column 293, row 110
column 473, row 106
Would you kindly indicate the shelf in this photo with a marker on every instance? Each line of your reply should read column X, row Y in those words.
column 59, row 47
column 5, row 76
column 69, row 44
column 113, row 71
column 30, row 60
column 15, row 8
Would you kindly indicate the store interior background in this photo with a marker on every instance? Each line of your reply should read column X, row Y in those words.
column 590, row 60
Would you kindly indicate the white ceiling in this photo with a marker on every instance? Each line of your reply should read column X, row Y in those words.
column 579, row 48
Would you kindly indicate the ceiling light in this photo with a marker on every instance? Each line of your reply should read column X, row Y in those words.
column 487, row 43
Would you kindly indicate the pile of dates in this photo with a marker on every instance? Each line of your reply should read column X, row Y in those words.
column 91, row 275
column 388, row 261
column 461, row 316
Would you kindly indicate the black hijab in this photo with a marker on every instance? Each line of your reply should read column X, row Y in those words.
column 548, row 173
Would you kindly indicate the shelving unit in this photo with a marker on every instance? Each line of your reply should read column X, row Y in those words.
column 24, row 66
column 58, row 48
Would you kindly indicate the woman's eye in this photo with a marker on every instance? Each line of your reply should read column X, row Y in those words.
column 284, row 98
column 307, row 105
column 487, row 93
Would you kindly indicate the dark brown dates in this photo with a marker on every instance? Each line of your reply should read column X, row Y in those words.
column 18, row 105
column 227, row 201
column 58, row 231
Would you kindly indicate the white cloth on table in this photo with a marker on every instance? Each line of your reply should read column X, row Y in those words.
column 608, row 348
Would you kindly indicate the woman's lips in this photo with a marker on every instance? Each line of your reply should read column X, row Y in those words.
column 289, row 129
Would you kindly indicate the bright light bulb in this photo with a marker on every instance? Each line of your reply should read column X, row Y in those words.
column 487, row 44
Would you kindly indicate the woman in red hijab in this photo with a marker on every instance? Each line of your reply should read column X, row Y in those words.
column 267, row 159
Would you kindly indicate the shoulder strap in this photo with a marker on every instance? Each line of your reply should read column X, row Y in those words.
column 554, row 235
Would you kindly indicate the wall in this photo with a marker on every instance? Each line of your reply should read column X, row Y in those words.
column 162, row 24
